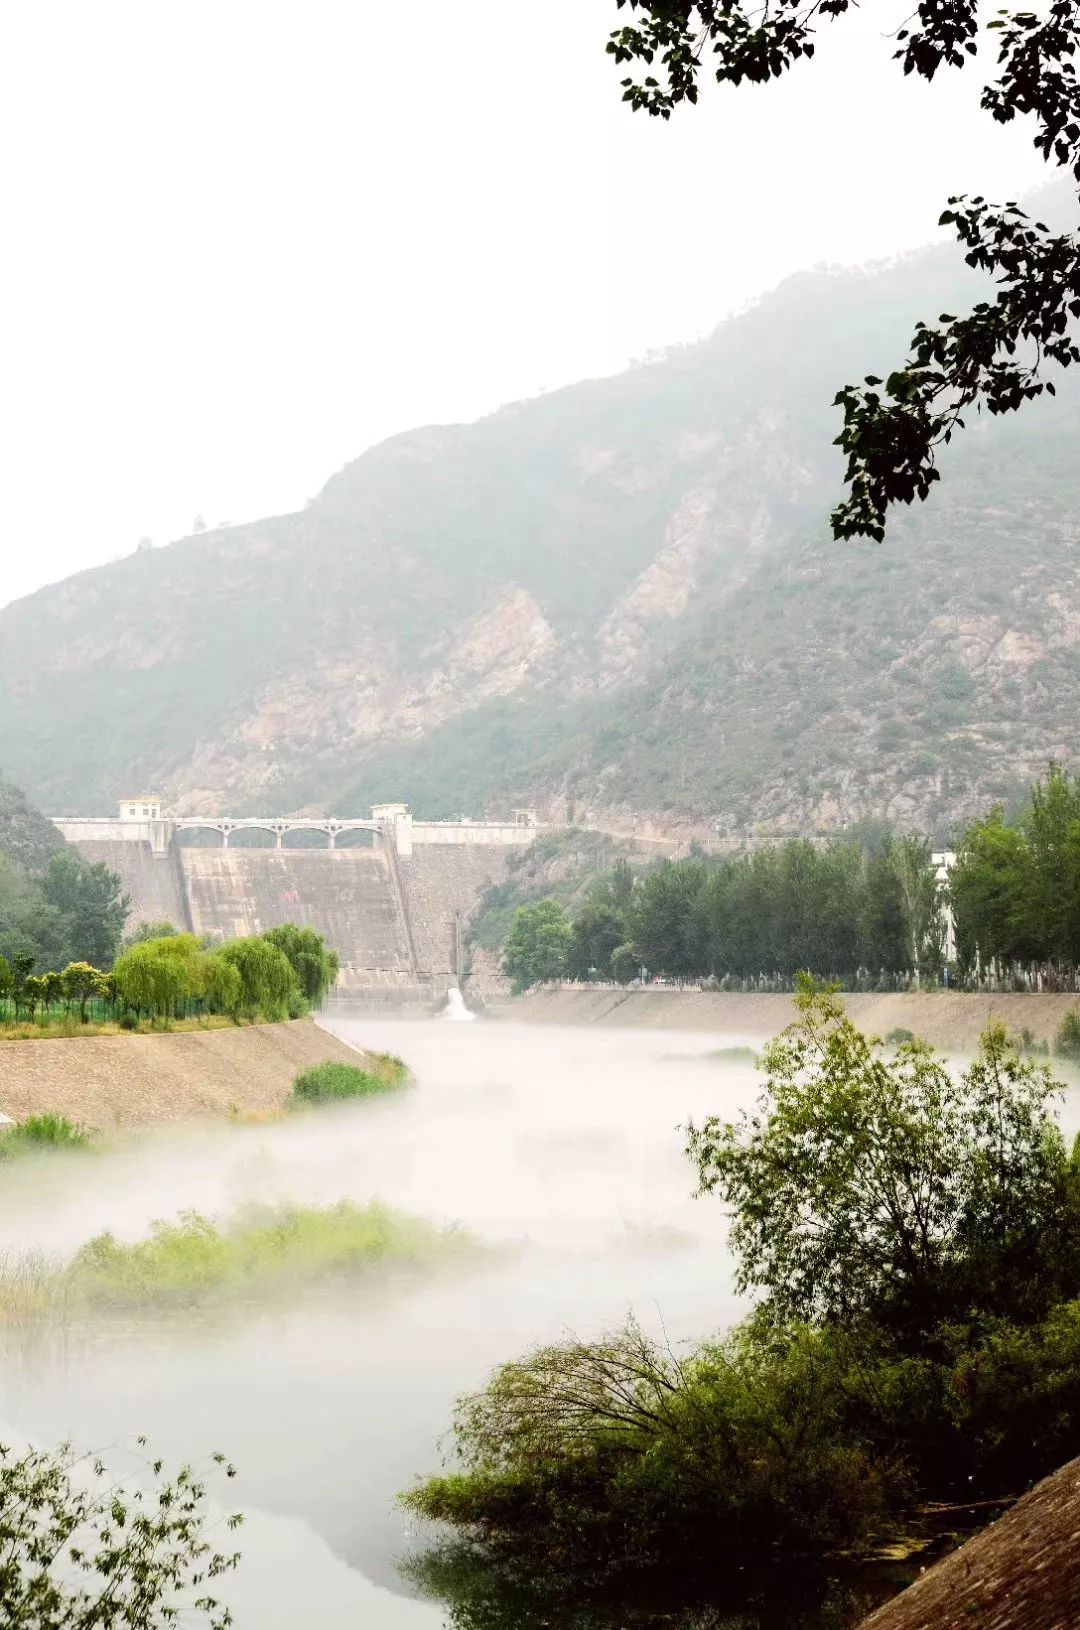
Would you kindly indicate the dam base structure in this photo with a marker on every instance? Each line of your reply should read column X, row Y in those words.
column 389, row 892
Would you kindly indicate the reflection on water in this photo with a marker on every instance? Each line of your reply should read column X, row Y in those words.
column 561, row 1146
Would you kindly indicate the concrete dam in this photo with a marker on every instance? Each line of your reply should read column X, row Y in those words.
column 391, row 894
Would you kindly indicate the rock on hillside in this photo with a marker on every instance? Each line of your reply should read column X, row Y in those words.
column 619, row 601
column 26, row 836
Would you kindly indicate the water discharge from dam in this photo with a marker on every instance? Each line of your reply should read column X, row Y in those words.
column 455, row 1010
column 561, row 1148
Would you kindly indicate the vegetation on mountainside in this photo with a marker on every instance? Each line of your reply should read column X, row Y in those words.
column 335, row 1082
column 85, row 1546
column 994, row 358
column 26, row 836
column 913, row 1239
column 796, row 685
column 556, row 866
column 195, row 1259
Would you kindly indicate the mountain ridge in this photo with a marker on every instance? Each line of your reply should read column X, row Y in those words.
column 618, row 600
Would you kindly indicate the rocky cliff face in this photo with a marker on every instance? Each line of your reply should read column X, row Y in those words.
column 619, row 601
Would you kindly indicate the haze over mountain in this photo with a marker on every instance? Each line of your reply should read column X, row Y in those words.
column 619, row 602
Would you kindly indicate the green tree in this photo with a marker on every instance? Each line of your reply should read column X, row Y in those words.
column 890, row 1186
column 81, row 1548
column 540, row 944
column 668, row 921
column 35, row 990
column 993, row 358
column 223, row 985
column 82, row 982
column 267, row 983
column 1050, row 912
column 909, row 860
column 155, row 976
column 599, row 929
column 992, row 887
column 151, row 931
column 90, row 899
column 21, row 966
column 314, row 963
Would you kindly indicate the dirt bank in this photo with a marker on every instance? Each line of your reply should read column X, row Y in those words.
column 947, row 1019
column 123, row 1080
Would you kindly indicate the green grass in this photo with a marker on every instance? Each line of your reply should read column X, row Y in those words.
column 331, row 1082
column 39, row 1133
column 194, row 1261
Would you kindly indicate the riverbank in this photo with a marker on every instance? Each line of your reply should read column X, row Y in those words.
column 950, row 1019
column 126, row 1080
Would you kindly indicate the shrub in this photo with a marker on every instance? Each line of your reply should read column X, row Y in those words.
column 615, row 1452
column 42, row 1132
column 1067, row 1040
column 333, row 1081
column 898, row 1036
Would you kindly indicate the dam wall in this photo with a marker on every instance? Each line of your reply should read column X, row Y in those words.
column 442, row 884
column 393, row 908
column 348, row 895
column 152, row 879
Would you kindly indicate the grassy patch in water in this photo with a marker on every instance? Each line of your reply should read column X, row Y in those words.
column 732, row 1055
column 194, row 1260
column 333, row 1081
column 42, row 1132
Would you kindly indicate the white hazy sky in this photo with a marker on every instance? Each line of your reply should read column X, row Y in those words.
column 245, row 239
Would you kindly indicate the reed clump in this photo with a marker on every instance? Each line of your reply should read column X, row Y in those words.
column 194, row 1260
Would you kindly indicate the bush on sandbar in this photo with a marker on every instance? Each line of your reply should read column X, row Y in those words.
column 41, row 1132
column 194, row 1259
column 334, row 1081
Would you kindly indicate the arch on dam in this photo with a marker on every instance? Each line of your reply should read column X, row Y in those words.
column 279, row 827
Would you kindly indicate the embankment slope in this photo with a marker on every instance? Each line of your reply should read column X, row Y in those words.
column 944, row 1018
column 125, row 1080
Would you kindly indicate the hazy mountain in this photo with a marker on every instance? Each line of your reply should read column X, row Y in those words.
column 619, row 599
column 26, row 836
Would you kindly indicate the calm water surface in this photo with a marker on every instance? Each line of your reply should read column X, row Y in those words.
column 562, row 1147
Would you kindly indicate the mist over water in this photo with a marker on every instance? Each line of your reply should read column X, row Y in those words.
column 559, row 1148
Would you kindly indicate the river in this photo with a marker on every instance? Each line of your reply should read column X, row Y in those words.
column 559, row 1148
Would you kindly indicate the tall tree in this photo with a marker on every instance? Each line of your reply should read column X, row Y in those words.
column 539, row 945
column 995, row 357
column 90, row 899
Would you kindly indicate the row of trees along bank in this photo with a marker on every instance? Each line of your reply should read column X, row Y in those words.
column 869, row 913
column 165, row 976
